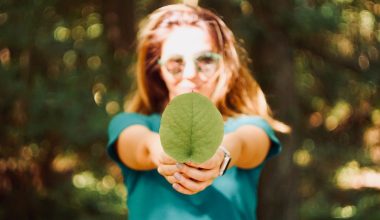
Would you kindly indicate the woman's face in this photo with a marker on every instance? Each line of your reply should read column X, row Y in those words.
column 188, row 62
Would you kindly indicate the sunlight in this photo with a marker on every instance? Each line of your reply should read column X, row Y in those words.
column 331, row 123
column 363, row 62
column 78, row 33
column 98, row 90
column 372, row 137
column 5, row 56
column 352, row 176
column 94, row 31
column 375, row 116
column 367, row 22
column 3, row 17
column 98, row 98
column 70, row 58
column 343, row 1
column 112, row 107
column 376, row 9
column 61, row 33
column 246, row 8
column 344, row 212
column 65, row 162
column 340, row 112
column 94, row 62
column 344, row 46
column 315, row 119
column 302, row 157
column 85, row 179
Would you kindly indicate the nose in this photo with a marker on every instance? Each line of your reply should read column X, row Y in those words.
column 190, row 71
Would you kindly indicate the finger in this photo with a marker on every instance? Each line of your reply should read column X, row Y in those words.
column 181, row 189
column 192, row 164
column 166, row 159
column 204, row 165
column 199, row 174
column 191, row 185
column 214, row 162
column 167, row 170
column 171, row 179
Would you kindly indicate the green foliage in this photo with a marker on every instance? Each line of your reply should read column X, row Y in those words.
column 55, row 106
column 65, row 71
column 191, row 128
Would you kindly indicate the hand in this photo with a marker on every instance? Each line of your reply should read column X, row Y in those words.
column 155, row 148
column 190, row 178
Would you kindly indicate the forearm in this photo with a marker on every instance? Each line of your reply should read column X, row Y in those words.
column 248, row 146
column 254, row 146
column 154, row 148
column 133, row 147
column 234, row 145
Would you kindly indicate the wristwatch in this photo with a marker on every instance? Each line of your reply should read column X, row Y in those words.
column 226, row 161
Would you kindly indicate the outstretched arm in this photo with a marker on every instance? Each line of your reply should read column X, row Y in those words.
column 255, row 146
column 139, row 148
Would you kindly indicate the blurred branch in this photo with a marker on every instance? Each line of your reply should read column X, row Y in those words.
column 318, row 47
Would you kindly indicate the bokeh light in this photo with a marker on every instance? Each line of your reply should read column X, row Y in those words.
column 70, row 58
column 78, row 33
column 302, row 157
column 344, row 212
column 94, row 31
column 352, row 176
column 112, row 107
column 61, row 33
column 94, row 62
column 3, row 17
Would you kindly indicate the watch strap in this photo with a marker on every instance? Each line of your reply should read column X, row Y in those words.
column 226, row 161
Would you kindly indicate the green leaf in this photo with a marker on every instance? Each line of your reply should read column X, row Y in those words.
column 191, row 128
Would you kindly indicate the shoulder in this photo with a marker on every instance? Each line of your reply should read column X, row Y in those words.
column 122, row 121
column 125, row 119
column 236, row 122
column 133, row 118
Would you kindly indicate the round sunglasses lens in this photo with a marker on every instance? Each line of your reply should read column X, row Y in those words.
column 207, row 64
column 175, row 65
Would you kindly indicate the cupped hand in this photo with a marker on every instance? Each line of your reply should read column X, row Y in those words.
column 190, row 178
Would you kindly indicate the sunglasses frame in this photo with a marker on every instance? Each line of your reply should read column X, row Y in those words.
column 213, row 55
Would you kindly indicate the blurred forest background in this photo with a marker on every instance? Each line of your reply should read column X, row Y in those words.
column 66, row 68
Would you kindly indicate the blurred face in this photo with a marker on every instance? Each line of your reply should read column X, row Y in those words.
column 188, row 62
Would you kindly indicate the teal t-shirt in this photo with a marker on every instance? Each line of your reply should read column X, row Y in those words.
column 151, row 197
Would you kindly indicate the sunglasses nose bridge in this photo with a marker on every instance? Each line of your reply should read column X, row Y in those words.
column 189, row 71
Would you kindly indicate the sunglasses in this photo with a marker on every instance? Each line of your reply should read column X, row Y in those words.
column 206, row 64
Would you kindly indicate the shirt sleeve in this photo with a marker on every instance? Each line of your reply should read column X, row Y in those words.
column 117, row 125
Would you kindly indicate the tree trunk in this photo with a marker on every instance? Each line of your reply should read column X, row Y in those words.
column 119, row 20
column 120, row 31
column 274, row 68
column 278, row 187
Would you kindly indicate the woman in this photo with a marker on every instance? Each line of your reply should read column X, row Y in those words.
column 189, row 49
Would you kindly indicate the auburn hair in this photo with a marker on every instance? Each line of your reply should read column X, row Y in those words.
column 237, row 92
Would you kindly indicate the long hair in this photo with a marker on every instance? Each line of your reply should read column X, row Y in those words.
column 237, row 92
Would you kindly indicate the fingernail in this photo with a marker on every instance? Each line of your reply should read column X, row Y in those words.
column 177, row 176
column 179, row 165
column 175, row 186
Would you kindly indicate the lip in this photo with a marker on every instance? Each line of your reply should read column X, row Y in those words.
column 187, row 90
